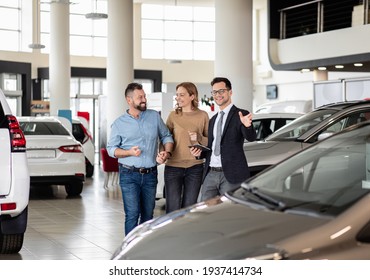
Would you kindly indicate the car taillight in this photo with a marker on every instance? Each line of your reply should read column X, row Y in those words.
column 71, row 149
column 16, row 134
column 8, row 206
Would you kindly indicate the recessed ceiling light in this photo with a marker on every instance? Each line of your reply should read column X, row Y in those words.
column 339, row 66
column 322, row 68
column 358, row 64
column 305, row 70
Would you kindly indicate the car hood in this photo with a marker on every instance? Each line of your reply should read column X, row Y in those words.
column 269, row 152
column 227, row 230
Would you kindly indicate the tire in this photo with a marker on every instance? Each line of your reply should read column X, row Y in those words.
column 11, row 243
column 74, row 189
column 89, row 169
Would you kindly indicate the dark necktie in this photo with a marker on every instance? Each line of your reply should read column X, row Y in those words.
column 218, row 134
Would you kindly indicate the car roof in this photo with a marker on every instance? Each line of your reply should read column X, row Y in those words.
column 344, row 104
column 288, row 106
column 274, row 115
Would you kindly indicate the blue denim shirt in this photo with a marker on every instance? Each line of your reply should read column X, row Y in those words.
column 126, row 132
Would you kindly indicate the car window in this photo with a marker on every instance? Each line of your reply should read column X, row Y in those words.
column 348, row 120
column 256, row 125
column 78, row 132
column 299, row 126
column 266, row 127
column 43, row 128
column 325, row 179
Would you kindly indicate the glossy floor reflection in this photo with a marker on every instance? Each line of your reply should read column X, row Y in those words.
column 88, row 227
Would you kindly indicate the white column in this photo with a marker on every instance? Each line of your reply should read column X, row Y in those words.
column 59, row 58
column 234, row 48
column 120, row 61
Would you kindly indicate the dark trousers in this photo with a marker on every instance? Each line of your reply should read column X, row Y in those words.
column 182, row 186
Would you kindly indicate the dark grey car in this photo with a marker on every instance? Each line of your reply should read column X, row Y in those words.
column 303, row 132
column 313, row 205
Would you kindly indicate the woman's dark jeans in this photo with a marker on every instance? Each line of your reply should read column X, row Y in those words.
column 182, row 186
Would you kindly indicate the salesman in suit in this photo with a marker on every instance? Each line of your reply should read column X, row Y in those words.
column 226, row 165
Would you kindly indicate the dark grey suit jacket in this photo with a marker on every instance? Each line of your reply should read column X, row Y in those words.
column 234, row 162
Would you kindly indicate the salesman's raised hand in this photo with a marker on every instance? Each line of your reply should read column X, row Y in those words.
column 246, row 120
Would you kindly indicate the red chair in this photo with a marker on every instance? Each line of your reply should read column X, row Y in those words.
column 110, row 168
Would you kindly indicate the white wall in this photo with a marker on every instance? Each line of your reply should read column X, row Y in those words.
column 330, row 44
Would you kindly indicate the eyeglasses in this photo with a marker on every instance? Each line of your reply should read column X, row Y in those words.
column 219, row 92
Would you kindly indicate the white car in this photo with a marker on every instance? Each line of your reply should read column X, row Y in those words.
column 14, row 181
column 286, row 106
column 83, row 135
column 55, row 157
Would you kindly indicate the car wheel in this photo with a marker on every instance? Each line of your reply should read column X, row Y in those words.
column 89, row 169
column 74, row 189
column 11, row 243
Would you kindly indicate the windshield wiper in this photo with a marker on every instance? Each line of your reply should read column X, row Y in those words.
column 265, row 198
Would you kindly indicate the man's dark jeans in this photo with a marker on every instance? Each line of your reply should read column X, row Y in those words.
column 138, row 194
column 182, row 186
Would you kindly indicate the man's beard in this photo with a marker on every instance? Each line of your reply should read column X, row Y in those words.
column 141, row 108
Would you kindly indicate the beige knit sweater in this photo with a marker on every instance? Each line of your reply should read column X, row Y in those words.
column 180, row 124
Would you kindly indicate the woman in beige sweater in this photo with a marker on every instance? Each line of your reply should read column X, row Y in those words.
column 188, row 125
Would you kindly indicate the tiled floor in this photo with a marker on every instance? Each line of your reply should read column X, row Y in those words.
column 88, row 227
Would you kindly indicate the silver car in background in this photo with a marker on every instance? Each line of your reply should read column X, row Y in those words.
column 303, row 132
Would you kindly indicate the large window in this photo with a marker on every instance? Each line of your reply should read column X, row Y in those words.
column 15, row 27
column 87, row 37
column 177, row 32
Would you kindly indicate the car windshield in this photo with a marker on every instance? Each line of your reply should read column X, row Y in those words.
column 299, row 126
column 43, row 128
column 324, row 179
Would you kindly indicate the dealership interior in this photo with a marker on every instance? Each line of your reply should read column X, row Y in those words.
column 299, row 48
